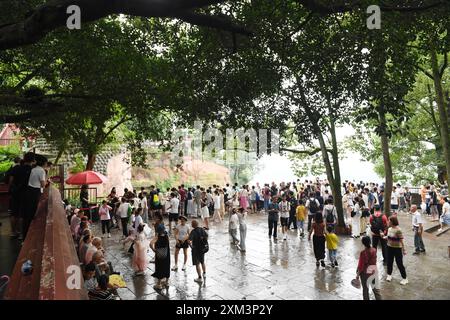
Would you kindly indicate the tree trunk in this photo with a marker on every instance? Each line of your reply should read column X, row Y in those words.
column 386, row 160
column 443, row 114
column 91, row 161
column 337, row 175
column 58, row 157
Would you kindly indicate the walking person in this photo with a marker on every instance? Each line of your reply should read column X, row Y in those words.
column 318, row 233
column 144, row 205
column 105, row 218
column 312, row 204
column 122, row 211
column 181, row 242
column 300, row 215
column 395, row 250
column 205, row 210
column 379, row 226
column 160, row 246
column 140, row 260
column 284, row 207
column 173, row 209
column 273, row 218
column 198, row 201
column 233, row 227
column 356, row 218
column 292, row 210
column 242, row 215
column 332, row 241
column 329, row 213
column 198, row 239
column 35, row 186
column 217, row 206
column 367, row 267
column 417, row 224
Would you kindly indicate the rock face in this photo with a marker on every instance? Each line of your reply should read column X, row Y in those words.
column 192, row 172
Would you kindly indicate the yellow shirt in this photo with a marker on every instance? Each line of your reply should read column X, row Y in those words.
column 301, row 212
column 332, row 241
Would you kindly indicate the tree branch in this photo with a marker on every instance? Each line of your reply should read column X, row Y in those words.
column 308, row 152
column 52, row 15
column 444, row 65
column 429, row 75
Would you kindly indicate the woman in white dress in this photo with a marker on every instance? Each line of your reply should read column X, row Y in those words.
column 216, row 199
column 190, row 204
column 222, row 203
column 356, row 219
column 205, row 210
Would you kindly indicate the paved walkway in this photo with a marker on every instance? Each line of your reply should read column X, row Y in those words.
column 286, row 269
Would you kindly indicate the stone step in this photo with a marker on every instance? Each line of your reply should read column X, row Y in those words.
column 442, row 232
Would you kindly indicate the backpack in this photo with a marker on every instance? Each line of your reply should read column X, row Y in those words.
column 377, row 224
column 204, row 245
column 329, row 217
column 313, row 207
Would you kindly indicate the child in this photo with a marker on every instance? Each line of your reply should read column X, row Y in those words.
column 332, row 245
column 140, row 251
column 300, row 214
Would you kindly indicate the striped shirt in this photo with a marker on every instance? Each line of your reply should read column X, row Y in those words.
column 395, row 235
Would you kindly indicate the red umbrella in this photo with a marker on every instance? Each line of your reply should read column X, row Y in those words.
column 87, row 177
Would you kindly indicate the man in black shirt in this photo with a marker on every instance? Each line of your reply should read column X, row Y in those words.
column 18, row 182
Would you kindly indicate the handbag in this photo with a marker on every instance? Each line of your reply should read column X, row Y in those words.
column 356, row 283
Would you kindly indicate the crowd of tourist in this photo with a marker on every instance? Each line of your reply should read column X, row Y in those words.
column 307, row 208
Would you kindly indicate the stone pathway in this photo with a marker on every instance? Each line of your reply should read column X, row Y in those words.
column 286, row 269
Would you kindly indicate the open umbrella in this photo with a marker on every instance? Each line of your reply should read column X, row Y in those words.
column 87, row 177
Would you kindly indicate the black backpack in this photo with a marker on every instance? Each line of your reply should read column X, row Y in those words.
column 203, row 241
column 377, row 224
column 329, row 217
column 313, row 207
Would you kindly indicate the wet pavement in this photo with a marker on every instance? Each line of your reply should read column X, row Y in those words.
column 286, row 269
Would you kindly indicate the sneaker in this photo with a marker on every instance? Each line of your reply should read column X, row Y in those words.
column 317, row 263
column 404, row 282
column 416, row 252
column 389, row 278
column 440, row 229
column 204, row 275
column 184, row 268
column 175, row 268
column 423, row 251
column 322, row 263
column 198, row 280
column 336, row 264
column 109, row 235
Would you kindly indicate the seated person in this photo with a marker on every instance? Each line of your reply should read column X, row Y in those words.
column 86, row 243
column 75, row 221
column 96, row 245
column 102, row 292
column 90, row 281
column 101, row 265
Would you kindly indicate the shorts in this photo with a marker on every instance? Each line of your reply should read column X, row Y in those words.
column 173, row 217
column 182, row 245
column 197, row 257
column 284, row 222
column 394, row 206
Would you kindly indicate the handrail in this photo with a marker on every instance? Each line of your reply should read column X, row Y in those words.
column 50, row 248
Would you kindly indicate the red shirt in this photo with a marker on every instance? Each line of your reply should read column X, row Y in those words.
column 367, row 258
column 182, row 193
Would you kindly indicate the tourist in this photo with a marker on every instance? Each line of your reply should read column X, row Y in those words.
column 75, row 221
column 222, row 204
column 273, row 216
column 378, row 226
column 367, row 267
column 183, row 195
column 105, row 218
column 18, row 182
column 181, row 242
column 233, row 227
column 198, row 239
column 90, row 281
column 292, row 210
column 190, row 209
column 266, row 195
column 242, row 215
column 312, row 204
column 94, row 246
column 318, row 233
column 408, row 196
column 160, row 246
column 217, row 206
column 284, row 208
column 433, row 204
column 395, row 250
column 329, row 213
column 332, row 241
column 253, row 200
column 205, row 210
column 84, row 246
column 122, row 211
column 395, row 201
column 417, row 224
column 173, row 209
column 198, row 201
column 356, row 217
column 144, row 206
column 301, row 215
column 445, row 216
column 35, row 186
column 140, row 251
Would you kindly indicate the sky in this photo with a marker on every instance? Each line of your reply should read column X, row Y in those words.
column 277, row 168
